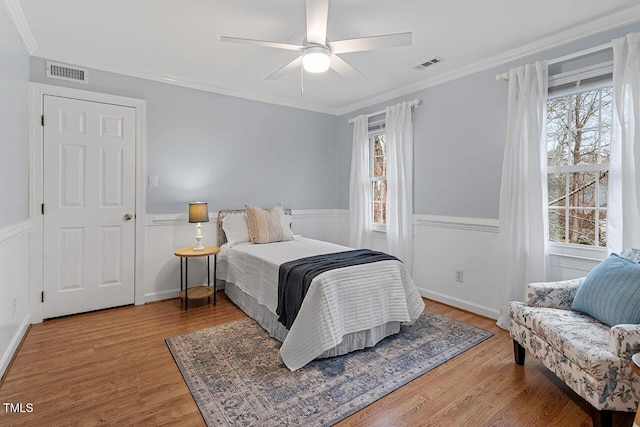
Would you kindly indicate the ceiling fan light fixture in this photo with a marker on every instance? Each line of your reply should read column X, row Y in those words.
column 316, row 59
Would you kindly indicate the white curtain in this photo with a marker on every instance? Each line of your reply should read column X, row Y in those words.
column 623, row 222
column 399, row 146
column 360, row 203
column 523, row 193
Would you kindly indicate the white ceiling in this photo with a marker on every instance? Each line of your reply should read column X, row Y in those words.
column 179, row 41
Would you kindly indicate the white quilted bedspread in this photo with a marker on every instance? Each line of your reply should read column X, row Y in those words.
column 338, row 302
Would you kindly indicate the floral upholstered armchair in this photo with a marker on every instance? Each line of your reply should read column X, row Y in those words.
column 586, row 331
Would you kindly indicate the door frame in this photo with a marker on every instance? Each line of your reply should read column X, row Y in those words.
column 37, row 91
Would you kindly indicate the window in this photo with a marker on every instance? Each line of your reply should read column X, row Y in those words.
column 377, row 173
column 578, row 147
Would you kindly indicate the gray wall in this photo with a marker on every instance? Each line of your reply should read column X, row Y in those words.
column 225, row 150
column 459, row 138
column 230, row 151
column 14, row 112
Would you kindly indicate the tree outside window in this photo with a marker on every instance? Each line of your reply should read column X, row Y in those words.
column 378, row 178
column 578, row 147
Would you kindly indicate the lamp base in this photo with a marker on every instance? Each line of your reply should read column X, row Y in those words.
column 199, row 246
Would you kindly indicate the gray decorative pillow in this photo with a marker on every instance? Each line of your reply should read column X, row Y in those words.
column 268, row 225
column 611, row 292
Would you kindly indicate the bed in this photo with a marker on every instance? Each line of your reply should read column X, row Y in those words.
column 345, row 309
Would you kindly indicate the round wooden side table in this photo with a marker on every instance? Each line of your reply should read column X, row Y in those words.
column 202, row 291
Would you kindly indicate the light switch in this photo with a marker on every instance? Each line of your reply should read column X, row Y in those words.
column 153, row 181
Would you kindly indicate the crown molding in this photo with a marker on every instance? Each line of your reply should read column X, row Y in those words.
column 102, row 65
column 609, row 22
column 17, row 16
column 605, row 23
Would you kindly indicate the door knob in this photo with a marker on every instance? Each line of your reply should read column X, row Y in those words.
column 127, row 217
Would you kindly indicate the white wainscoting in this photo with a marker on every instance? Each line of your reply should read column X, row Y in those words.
column 14, row 286
column 443, row 245
column 166, row 233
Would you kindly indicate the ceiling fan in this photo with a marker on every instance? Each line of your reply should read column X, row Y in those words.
column 317, row 54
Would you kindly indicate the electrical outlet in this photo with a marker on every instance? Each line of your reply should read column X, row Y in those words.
column 14, row 304
column 459, row 276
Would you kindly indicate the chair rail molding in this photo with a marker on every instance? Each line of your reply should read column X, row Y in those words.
column 462, row 223
column 11, row 231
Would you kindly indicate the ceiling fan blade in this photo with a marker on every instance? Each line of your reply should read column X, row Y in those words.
column 371, row 43
column 263, row 43
column 290, row 66
column 344, row 68
column 317, row 12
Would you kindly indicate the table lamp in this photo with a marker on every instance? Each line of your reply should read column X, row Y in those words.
column 198, row 213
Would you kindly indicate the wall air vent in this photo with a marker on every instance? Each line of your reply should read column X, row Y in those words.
column 70, row 73
column 432, row 61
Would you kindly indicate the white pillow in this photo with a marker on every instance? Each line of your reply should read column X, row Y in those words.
column 289, row 219
column 236, row 228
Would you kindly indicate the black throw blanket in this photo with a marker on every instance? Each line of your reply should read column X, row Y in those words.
column 294, row 277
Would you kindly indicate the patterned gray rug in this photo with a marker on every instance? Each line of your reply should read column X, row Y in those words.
column 236, row 376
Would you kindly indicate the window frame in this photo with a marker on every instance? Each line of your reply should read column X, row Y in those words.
column 575, row 250
column 375, row 128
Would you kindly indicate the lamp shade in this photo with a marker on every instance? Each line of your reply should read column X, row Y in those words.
column 198, row 212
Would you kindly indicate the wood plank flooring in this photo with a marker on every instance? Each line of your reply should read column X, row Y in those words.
column 112, row 367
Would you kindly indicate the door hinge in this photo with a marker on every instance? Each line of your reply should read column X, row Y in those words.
column 42, row 120
column 42, row 296
column 42, row 208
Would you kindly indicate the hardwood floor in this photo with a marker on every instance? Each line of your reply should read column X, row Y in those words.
column 112, row 367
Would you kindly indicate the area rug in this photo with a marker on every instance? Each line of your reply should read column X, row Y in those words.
column 237, row 378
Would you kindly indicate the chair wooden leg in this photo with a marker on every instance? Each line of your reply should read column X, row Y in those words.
column 518, row 353
column 601, row 418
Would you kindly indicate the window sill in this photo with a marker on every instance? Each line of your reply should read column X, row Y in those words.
column 576, row 258
column 379, row 228
column 588, row 253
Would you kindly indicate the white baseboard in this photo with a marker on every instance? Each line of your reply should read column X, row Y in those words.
column 170, row 294
column 13, row 345
column 459, row 303
column 161, row 295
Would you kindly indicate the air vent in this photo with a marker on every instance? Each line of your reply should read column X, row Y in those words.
column 429, row 63
column 66, row 72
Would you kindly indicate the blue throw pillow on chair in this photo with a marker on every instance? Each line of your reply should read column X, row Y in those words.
column 611, row 292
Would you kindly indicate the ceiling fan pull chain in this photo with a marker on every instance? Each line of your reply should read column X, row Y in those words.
column 301, row 79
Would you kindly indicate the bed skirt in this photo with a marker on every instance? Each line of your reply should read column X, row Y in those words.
column 269, row 322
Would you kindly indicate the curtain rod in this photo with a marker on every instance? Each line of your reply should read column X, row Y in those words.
column 413, row 103
column 585, row 52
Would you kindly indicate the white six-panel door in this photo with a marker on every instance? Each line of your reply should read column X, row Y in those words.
column 89, row 205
